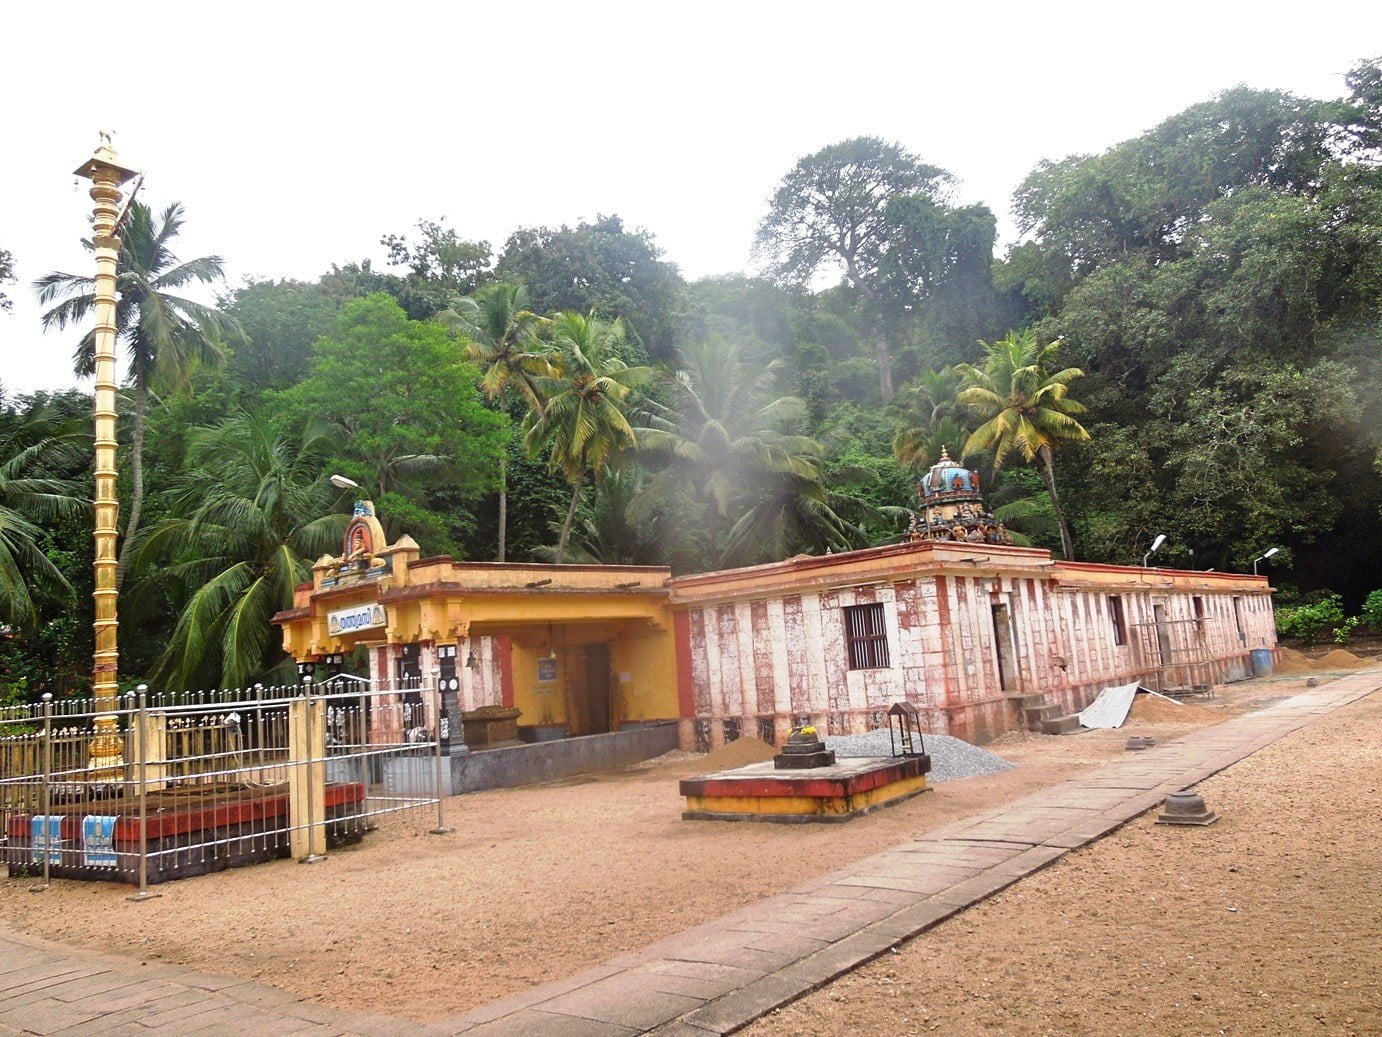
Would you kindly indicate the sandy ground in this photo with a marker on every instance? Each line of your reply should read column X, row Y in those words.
column 1267, row 922
column 535, row 884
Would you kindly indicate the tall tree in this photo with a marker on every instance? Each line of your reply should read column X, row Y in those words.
column 408, row 406
column 602, row 269
column 727, row 435
column 607, row 533
column 584, row 428
column 1025, row 408
column 505, row 340
column 37, row 456
column 281, row 321
column 440, row 264
column 166, row 336
column 1145, row 197
column 919, row 446
column 832, row 209
column 244, row 526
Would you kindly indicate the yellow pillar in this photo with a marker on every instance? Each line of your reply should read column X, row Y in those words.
column 106, row 176
column 307, row 778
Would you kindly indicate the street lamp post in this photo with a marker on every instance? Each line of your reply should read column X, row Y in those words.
column 1262, row 558
column 1156, row 546
column 106, row 176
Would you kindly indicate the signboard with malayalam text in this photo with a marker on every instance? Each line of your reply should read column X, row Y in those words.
column 352, row 620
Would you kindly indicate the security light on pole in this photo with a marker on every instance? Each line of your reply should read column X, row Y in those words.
column 342, row 483
column 1263, row 557
column 1156, row 546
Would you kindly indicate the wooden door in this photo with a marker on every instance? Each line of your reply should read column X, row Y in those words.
column 597, row 698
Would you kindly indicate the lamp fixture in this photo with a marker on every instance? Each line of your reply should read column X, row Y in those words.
column 1263, row 557
column 342, row 483
column 1156, row 546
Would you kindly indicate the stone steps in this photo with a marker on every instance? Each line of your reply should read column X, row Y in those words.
column 1065, row 725
column 1043, row 717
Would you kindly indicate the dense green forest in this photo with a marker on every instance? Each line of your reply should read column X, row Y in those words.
column 1185, row 339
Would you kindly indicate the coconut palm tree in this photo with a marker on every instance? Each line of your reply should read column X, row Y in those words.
column 727, row 437
column 243, row 527
column 505, row 340
column 920, row 447
column 166, row 336
column 605, row 533
column 1024, row 407
column 932, row 401
column 584, row 427
column 37, row 454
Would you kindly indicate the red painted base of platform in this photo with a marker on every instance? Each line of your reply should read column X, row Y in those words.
column 844, row 790
column 848, row 777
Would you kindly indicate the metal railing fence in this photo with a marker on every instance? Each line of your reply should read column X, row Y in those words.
column 213, row 779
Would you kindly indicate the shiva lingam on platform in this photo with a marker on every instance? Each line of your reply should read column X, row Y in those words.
column 805, row 783
column 803, row 749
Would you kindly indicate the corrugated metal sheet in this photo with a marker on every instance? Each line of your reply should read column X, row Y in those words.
column 1110, row 709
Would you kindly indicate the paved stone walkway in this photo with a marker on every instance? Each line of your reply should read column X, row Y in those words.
column 720, row 976
column 714, row 978
column 46, row 988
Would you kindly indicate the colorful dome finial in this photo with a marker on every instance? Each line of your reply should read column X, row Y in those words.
column 953, row 508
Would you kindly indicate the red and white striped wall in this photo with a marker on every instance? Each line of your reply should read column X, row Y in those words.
column 762, row 665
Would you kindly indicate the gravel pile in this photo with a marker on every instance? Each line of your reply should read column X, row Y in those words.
column 950, row 757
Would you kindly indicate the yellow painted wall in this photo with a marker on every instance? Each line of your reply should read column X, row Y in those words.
column 649, row 661
column 644, row 654
column 542, row 702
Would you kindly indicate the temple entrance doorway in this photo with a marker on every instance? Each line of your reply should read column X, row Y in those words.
column 1007, row 651
column 597, row 698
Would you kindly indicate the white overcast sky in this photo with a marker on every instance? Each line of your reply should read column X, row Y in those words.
column 297, row 133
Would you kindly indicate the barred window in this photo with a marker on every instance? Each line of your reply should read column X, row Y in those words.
column 1120, row 625
column 866, row 637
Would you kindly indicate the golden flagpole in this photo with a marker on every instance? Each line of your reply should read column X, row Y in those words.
column 107, row 177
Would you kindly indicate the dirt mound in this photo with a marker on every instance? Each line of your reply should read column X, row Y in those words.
column 1152, row 709
column 1288, row 660
column 737, row 753
column 1339, row 659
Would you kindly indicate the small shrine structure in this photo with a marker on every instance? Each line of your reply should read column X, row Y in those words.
column 953, row 508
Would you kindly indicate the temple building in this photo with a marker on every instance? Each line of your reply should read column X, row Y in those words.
column 981, row 636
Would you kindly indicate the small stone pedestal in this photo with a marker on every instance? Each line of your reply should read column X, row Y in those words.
column 801, row 751
column 490, row 726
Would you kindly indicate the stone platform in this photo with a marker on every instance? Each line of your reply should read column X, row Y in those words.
column 839, row 792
